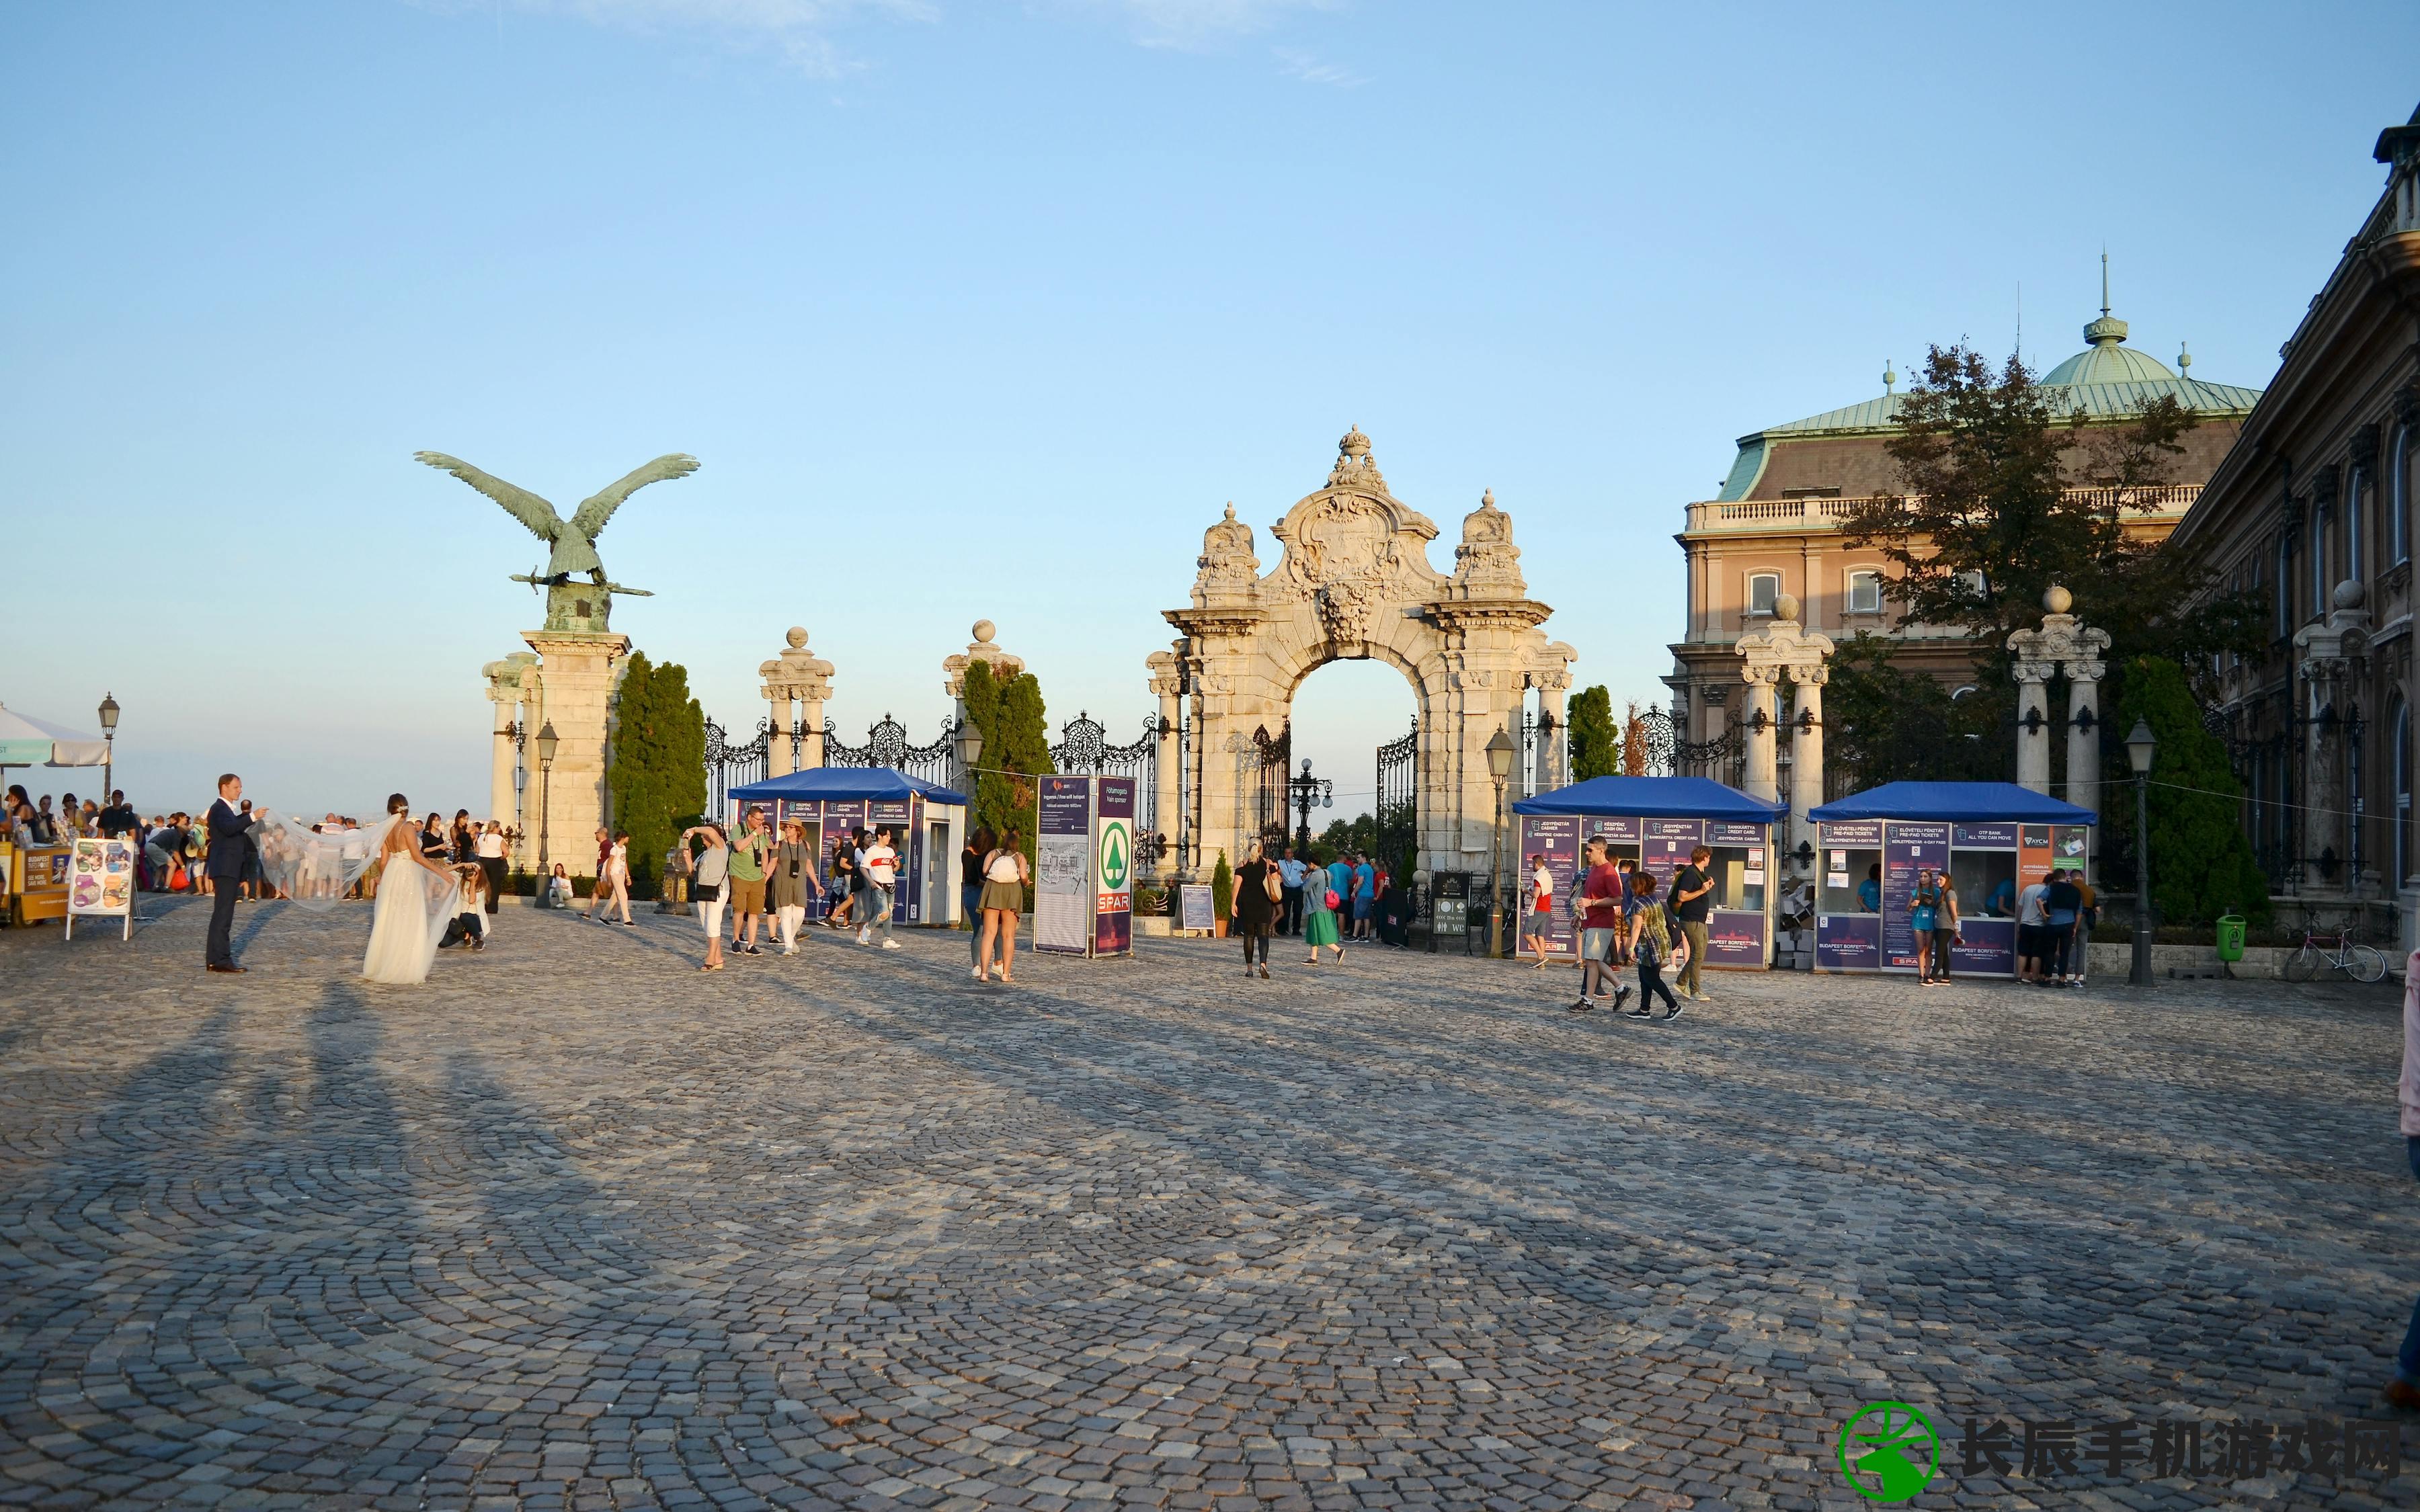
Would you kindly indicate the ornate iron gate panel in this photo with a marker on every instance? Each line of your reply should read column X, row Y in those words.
column 1399, row 799
column 1084, row 749
column 729, row 766
column 1269, row 784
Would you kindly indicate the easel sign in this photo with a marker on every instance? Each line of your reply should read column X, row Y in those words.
column 101, row 883
column 1194, row 908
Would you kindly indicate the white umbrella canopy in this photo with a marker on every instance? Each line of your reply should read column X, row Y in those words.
column 25, row 741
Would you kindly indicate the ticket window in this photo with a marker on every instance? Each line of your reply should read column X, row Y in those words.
column 1986, row 883
column 1739, row 877
column 1845, row 871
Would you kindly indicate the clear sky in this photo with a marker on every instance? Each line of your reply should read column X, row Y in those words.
column 978, row 309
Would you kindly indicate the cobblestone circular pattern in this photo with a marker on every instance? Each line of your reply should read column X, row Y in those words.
column 576, row 1225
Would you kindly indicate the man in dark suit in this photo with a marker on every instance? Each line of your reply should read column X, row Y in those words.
column 229, row 846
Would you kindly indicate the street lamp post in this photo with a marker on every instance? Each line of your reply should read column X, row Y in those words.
column 108, row 745
column 2140, row 747
column 1309, row 793
column 970, row 745
column 1500, row 766
column 545, row 743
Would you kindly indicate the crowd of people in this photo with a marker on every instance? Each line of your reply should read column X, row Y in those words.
column 762, row 880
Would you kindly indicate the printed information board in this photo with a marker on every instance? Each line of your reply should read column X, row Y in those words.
column 1556, row 840
column 101, row 882
column 1195, row 908
column 1063, row 864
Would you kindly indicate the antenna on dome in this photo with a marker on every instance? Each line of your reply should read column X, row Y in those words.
column 2105, row 279
column 1889, row 379
column 2021, row 319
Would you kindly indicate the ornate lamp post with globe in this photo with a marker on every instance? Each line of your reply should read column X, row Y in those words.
column 545, row 743
column 108, row 745
column 1309, row 793
column 1500, row 766
column 2141, row 745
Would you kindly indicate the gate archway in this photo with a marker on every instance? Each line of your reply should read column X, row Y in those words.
column 1355, row 583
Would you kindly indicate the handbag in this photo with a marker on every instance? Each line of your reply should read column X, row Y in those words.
column 179, row 881
column 1271, row 885
column 1333, row 901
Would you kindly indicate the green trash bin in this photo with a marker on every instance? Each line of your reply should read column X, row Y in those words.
column 2230, row 938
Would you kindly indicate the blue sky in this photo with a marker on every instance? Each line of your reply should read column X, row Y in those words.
column 984, row 310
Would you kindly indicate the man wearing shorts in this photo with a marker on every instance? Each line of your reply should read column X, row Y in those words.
column 1600, row 926
column 749, row 850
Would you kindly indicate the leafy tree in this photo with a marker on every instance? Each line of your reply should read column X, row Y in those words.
column 657, row 778
column 2002, row 497
column 1596, row 745
column 1015, row 747
column 2201, row 864
column 1883, row 724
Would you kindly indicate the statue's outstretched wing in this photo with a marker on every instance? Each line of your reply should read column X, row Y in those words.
column 599, row 507
column 520, row 503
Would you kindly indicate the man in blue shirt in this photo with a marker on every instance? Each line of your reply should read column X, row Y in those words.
column 1290, row 875
column 1340, row 882
column 1869, row 892
column 1365, row 893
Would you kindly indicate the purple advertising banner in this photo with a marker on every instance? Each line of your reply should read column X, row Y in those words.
column 1848, row 942
column 1065, row 805
column 1064, row 905
column 1557, row 839
column 1906, row 849
column 1984, row 837
column 1666, row 847
column 1615, row 829
column 1734, row 939
column 1113, row 868
column 1724, row 832
column 1853, row 834
column 1986, row 947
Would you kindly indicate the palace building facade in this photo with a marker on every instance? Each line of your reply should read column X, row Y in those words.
column 2315, row 504
column 1774, row 528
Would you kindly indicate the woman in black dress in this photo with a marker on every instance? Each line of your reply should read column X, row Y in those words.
column 1255, row 907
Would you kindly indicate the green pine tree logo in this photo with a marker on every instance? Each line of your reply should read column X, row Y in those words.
column 1889, row 1452
column 1113, row 855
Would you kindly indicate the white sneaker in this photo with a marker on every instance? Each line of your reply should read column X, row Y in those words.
column 861, row 937
column 891, row 945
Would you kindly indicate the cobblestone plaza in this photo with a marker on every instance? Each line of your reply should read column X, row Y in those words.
column 576, row 1225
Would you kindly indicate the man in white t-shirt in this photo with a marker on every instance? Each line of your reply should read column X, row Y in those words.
column 879, row 865
column 2033, row 922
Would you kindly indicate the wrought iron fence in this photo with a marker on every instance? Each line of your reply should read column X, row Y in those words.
column 1084, row 749
column 1274, row 757
column 729, row 766
column 1399, row 800
column 1722, row 758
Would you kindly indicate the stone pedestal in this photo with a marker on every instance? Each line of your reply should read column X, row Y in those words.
column 798, row 684
column 2033, row 725
column 1806, row 751
column 1760, row 779
column 580, row 678
column 2084, row 721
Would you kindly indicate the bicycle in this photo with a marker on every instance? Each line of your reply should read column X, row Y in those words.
column 2362, row 963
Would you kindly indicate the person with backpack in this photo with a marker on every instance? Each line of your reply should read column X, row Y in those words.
column 1005, row 872
column 1655, row 946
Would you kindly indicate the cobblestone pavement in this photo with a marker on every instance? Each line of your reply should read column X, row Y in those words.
column 575, row 1225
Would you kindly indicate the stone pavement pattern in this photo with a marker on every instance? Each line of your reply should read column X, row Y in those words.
column 844, row 1230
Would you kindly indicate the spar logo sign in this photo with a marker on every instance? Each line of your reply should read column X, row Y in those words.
column 1117, row 853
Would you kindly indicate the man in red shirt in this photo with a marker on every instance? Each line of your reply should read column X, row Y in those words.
column 1600, row 926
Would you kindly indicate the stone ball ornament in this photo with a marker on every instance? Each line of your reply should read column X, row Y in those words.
column 1785, row 607
column 2348, row 594
column 796, row 638
column 984, row 630
column 2057, row 600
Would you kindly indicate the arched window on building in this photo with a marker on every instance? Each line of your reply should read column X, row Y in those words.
column 2284, row 588
column 2401, row 725
column 2318, row 574
column 1763, row 590
column 2398, row 499
column 1865, row 593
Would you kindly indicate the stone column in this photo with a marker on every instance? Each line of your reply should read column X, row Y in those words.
column 507, row 700
column 796, row 676
column 1763, row 737
column 2084, row 736
column 1167, row 685
column 2033, row 725
column 1805, row 751
column 2323, row 684
column 580, row 677
column 1554, row 700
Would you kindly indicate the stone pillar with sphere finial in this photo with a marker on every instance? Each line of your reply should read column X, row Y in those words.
column 2064, row 642
column 953, row 673
column 798, row 678
column 1784, row 649
column 2325, row 655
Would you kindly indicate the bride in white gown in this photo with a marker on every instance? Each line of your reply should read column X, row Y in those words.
column 415, row 897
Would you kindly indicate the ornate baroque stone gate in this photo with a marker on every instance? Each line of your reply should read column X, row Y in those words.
column 1354, row 584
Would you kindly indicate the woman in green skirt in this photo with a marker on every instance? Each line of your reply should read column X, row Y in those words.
column 1319, row 917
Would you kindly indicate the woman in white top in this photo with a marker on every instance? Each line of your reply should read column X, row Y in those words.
column 613, row 887
column 1540, row 916
column 1005, row 874
column 490, row 848
column 710, row 885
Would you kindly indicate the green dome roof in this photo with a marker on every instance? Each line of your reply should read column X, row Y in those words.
column 2108, row 359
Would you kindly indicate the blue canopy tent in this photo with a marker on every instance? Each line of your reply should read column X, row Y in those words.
column 1657, row 820
column 925, row 821
column 1991, row 839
